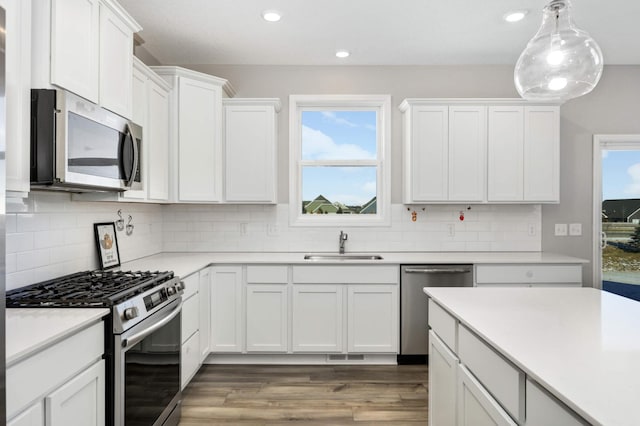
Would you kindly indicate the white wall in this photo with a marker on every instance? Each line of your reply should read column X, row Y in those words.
column 49, row 236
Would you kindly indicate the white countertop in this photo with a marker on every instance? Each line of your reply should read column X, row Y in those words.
column 582, row 344
column 186, row 263
column 32, row 329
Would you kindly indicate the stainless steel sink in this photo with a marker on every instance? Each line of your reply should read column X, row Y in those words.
column 342, row 257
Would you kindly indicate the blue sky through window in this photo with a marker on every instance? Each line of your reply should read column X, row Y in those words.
column 620, row 174
column 339, row 135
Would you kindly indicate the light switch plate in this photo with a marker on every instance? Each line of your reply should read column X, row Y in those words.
column 561, row 230
column 575, row 229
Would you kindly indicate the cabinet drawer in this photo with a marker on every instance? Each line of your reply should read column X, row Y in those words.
column 338, row 274
column 28, row 379
column 502, row 379
column 528, row 274
column 443, row 324
column 190, row 359
column 268, row 274
column 190, row 317
column 543, row 409
column 191, row 284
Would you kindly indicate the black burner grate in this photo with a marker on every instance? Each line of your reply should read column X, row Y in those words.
column 86, row 289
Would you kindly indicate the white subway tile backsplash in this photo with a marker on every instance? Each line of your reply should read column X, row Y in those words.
column 19, row 242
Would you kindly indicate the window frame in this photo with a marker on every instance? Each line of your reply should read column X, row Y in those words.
column 379, row 103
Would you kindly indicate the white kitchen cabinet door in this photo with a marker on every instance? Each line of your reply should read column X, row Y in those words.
column 544, row 409
column 75, row 46
column 372, row 319
column 476, row 407
column 189, row 359
column 140, row 104
column 190, row 316
column 156, row 142
column 250, row 143
column 443, row 370
column 205, row 312
column 18, row 94
column 226, row 309
column 505, row 144
column 267, row 318
column 199, row 141
column 32, row 416
column 426, row 141
column 317, row 319
column 542, row 153
column 79, row 402
column 116, row 62
column 467, row 153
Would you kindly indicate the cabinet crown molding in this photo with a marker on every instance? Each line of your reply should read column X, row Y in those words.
column 151, row 74
column 275, row 102
column 123, row 14
column 195, row 75
column 471, row 101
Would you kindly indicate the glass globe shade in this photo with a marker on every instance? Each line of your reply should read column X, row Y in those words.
column 560, row 62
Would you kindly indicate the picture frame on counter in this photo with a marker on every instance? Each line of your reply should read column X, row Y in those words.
column 107, row 244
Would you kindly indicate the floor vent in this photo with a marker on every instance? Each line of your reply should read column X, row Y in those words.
column 341, row 357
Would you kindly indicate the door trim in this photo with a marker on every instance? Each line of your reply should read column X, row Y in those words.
column 624, row 141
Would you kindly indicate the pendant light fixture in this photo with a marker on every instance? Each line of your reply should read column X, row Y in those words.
column 560, row 62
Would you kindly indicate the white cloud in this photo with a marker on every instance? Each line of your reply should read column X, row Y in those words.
column 348, row 199
column 370, row 188
column 633, row 188
column 318, row 146
column 331, row 116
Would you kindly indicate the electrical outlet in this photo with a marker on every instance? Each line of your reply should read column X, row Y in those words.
column 452, row 229
column 273, row 229
column 243, row 228
column 575, row 229
column 561, row 230
column 531, row 229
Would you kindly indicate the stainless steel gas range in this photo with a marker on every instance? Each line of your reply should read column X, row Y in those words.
column 142, row 337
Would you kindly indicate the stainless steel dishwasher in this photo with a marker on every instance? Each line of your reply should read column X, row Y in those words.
column 414, row 313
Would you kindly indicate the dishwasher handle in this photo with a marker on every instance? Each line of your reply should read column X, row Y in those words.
column 437, row 270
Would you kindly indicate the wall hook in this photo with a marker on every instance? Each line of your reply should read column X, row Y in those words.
column 120, row 222
column 129, row 226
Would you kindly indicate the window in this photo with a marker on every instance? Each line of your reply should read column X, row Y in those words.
column 339, row 159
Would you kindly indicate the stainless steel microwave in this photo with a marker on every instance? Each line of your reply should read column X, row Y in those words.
column 78, row 146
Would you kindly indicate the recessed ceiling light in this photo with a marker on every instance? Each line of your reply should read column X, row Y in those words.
column 342, row 53
column 515, row 16
column 271, row 15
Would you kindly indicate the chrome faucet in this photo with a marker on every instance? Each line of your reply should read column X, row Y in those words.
column 342, row 239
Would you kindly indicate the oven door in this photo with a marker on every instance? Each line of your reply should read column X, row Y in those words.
column 147, row 370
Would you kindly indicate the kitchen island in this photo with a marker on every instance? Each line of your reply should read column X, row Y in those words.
column 576, row 348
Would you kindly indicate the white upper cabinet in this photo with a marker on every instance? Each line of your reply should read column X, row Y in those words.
column 250, row 145
column 480, row 151
column 467, row 153
column 18, row 94
column 86, row 47
column 156, row 141
column 542, row 154
column 75, row 48
column 116, row 61
column 523, row 154
column 196, row 134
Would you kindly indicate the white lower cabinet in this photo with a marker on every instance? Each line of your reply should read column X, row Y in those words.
column 372, row 318
column 317, row 320
column 476, row 406
column 80, row 401
column 226, row 309
column 189, row 359
column 32, row 416
column 543, row 409
column 443, row 372
column 267, row 317
column 534, row 275
column 63, row 384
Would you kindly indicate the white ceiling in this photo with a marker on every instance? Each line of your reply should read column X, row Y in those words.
column 377, row 32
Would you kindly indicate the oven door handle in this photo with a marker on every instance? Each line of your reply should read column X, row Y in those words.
column 138, row 337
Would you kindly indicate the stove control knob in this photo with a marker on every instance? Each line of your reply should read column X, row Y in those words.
column 130, row 313
column 171, row 291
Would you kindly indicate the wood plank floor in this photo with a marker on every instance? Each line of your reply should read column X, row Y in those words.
column 306, row 395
